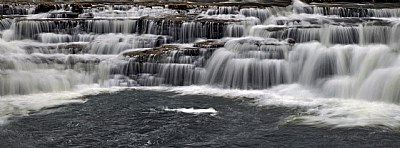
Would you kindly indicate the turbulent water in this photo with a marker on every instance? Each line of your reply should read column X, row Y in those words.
column 341, row 65
column 136, row 118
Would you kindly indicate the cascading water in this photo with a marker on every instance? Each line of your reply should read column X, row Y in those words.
column 331, row 52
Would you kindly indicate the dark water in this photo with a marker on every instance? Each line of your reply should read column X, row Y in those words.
column 136, row 119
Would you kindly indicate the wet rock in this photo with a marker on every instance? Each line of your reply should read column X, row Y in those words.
column 274, row 29
column 42, row 8
column 78, row 47
column 86, row 5
column 291, row 41
column 178, row 7
column 86, row 15
column 76, row 8
column 209, row 44
column 190, row 51
column 153, row 51
column 64, row 15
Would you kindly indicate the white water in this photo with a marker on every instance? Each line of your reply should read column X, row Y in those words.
column 319, row 109
column 343, row 69
column 192, row 110
column 23, row 105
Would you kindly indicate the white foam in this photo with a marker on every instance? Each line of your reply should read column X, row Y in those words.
column 319, row 110
column 211, row 111
column 23, row 105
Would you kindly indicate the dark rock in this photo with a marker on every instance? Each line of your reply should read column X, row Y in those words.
column 42, row 8
column 209, row 44
column 64, row 15
column 76, row 8
column 154, row 51
column 87, row 5
column 291, row 41
column 86, row 15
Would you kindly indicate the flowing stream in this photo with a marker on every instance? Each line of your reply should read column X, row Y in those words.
column 341, row 64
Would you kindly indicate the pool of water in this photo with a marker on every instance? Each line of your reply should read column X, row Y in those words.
column 143, row 118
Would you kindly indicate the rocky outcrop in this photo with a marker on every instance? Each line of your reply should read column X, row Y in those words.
column 209, row 44
column 63, row 15
column 153, row 51
column 46, row 7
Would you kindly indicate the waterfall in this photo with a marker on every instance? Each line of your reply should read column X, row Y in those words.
column 116, row 43
column 339, row 51
column 252, row 51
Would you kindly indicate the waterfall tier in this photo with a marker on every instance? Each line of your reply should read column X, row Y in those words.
column 335, row 50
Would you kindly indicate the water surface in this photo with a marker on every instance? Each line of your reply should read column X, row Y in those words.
column 136, row 118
